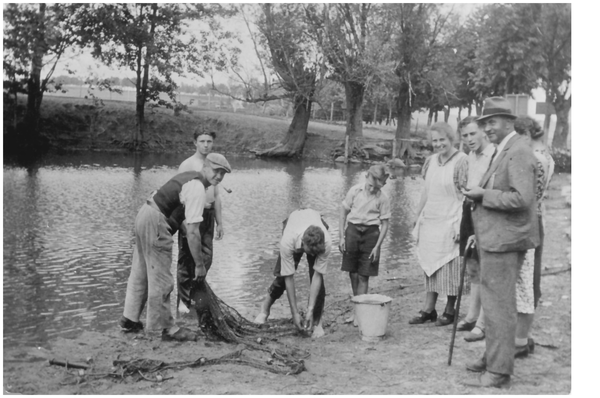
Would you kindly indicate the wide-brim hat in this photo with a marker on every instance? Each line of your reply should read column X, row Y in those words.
column 496, row 106
column 377, row 172
column 218, row 161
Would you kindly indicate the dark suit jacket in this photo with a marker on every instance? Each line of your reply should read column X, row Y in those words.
column 505, row 219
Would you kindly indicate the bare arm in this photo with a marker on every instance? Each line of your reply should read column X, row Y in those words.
column 195, row 244
column 343, row 215
column 218, row 216
column 290, row 288
column 385, row 224
column 315, row 287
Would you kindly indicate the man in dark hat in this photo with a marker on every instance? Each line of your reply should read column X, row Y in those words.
column 505, row 221
column 150, row 279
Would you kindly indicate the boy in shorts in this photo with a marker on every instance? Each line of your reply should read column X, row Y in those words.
column 367, row 210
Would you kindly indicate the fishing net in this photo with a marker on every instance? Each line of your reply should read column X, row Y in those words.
column 218, row 321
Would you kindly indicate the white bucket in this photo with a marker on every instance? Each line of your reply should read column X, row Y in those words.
column 371, row 312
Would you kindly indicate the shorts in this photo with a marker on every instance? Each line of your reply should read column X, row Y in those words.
column 360, row 241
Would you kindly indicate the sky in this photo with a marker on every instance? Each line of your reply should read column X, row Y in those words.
column 84, row 65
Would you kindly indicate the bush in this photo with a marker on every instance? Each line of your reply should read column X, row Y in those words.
column 562, row 159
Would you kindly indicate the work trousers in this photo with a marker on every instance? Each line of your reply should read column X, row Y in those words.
column 186, row 266
column 150, row 278
column 498, row 299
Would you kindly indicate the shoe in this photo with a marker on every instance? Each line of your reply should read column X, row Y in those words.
column 531, row 345
column 464, row 326
column 471, row 337
column 477, row 366
column 522, row 351
column 424, row 317
column 261, row 318
column 183, row 334
column 129, row 326
column 489, row 379
column 446, row 319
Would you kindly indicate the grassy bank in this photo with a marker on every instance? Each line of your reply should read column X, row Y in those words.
column 72, row 123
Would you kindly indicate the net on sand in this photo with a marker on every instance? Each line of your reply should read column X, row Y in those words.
column 260, row 347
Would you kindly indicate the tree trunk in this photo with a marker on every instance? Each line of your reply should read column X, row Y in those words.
column 403, row 128
column 429, row 117
column 375, row 113
column 446, row 114
column 355, row 93
column 293, row 143
column 478, row 107
column 561, row 133
column 547, row 118
column 34, row 92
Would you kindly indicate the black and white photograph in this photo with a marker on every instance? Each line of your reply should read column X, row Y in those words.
column 292, row 199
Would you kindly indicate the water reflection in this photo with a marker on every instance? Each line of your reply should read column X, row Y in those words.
column 68, row 234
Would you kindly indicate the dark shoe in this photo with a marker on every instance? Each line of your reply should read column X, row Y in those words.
column 446, row 319
column 471, row 337
column 424, row 317
column 464, row 326
column 489, row 379
column 522, row 351
column 183, row 334
column 477, row 366
column 129, row 326
column 531, row 345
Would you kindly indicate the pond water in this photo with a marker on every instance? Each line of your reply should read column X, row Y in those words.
column 68, row 235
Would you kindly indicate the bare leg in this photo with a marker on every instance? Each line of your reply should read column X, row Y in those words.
column 363, row 285
column 265, row 310
column 430, row 300
column 524, row 322
column 475, row 304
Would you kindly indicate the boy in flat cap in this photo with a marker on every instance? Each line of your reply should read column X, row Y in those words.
column 367, row 211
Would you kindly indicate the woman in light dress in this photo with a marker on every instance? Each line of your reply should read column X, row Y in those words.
column 438, row 221
column 528, row 282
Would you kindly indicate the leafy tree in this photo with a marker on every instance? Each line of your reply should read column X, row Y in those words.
column 524, row 46
column 36, row 36
column 156, row 42
column 345, row 36
column 293, row 57
column 417, row 37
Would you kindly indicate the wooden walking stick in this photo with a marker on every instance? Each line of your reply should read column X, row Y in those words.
column 460, row 289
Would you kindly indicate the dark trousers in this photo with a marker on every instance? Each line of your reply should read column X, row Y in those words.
column 186, row 267
column 278, row 286
column 499, row 273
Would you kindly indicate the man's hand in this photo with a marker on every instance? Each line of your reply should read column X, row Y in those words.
column 474, row 194
column 220, row 232
column 297, row 318
column 374, row 254
column 308, row 323
column 200, row 273
column 342, row 245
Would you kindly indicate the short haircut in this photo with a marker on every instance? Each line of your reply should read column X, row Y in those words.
column 200, row 131
column 444, row 128
column 466, row 121
column 525, row 124
column 314, row 239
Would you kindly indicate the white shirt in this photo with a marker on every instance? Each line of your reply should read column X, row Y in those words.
column 503, row 144
column 193, row 197
column 478, row 165
column 291, row 240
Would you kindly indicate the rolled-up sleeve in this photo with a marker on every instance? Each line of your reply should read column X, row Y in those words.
column 193, row 197
column 286, row 252
column 347, row 202
column 385, row 211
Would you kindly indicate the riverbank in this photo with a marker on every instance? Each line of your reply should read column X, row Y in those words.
column 411, row 360
column 73, row 124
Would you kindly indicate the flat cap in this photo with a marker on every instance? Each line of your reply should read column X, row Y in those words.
column 218, row 161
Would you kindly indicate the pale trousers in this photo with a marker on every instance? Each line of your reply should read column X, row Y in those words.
column 499, row 273
column 150, row 278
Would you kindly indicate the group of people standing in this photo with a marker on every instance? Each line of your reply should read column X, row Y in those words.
column 485, row 207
